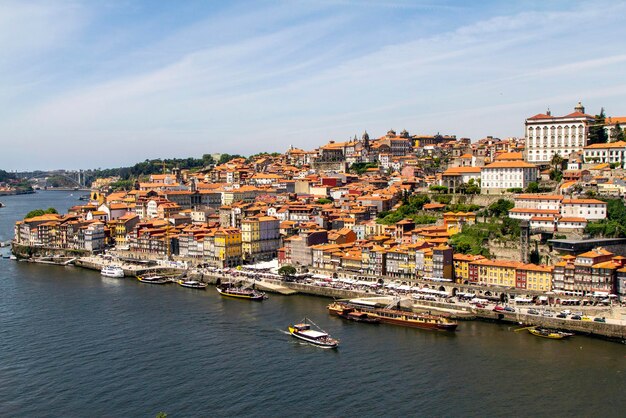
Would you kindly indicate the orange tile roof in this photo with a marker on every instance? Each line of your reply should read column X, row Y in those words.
column 582, row 201
column 461, row 170
column 618, row 144
column 510, row 164
column 539, row 196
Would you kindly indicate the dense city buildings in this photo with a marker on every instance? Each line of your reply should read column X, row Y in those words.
column 347, row 208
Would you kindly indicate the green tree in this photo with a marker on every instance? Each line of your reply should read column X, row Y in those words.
column 556, row 175
column 207, row 159
column 617, row 133
column 438, row 189
column 510, row 227
column 287, row 271
column 533, row 187
column 360, row 168
column 471, row 187
column 324, row 201
column 33, row 213
column 224, row 158
column 500, row 207
column 597, row 133
column 122, row 185
column 40, row 212
column 557, row 162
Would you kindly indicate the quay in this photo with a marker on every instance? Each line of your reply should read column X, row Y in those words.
column 613, row 329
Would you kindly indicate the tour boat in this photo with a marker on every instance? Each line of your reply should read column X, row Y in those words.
column 549, row 333
column 346, row 312
column 192, row 284
column 112, row 271
column 241, row 292
column 320, row 338
column 153, row 279
column 404, row 318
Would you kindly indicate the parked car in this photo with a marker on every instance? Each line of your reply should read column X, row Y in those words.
column 498, row 308
column 577, row 317
column 586, row 318
column 561, row 315
column 547, row 314
column 578, row 313
column 566, row 312
column 533, row 312
column 599, row 319
column 480, row 305
column 509, row 309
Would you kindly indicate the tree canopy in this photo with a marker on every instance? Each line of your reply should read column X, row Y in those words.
column 409, row 209
column 614, row 226
column 287, row 270
column 597, row 133
column 617, row 133
column 40, row 212
column 500, row 208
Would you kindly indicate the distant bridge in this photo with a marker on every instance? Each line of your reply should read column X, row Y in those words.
column 76, row 178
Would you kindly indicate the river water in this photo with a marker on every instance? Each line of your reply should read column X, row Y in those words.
column 75, row 344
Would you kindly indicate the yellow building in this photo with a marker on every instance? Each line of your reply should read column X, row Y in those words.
column 497, row 272
column 228, row 246
column 461, row 266
column 454, row 221
column 260, row 238
column 428, row 262
column 538, row 277
column 250, row 237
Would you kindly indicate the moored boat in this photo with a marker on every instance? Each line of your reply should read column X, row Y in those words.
column 398, row 317
column 193, row 284
column 153, row 279
column 549, row 333
column 241, row 292
column 112, row 271
column 319, row 338
column 351, row 314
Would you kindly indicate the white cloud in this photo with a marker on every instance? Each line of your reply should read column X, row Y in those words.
column 301, row 79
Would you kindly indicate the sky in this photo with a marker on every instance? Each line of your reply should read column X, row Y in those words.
column 101, row 84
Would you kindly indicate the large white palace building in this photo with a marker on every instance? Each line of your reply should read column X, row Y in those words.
column 547, row 135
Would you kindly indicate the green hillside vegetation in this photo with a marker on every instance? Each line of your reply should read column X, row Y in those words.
column 410, row 209
column 39, row 212
column 614, row 226
column 474, row 238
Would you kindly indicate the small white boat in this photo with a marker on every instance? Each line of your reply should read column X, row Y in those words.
column 318, row 337
column 153, row 279
column 112, row 271
column 193, row 284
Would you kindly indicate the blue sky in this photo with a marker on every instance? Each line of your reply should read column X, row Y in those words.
column 87, row 84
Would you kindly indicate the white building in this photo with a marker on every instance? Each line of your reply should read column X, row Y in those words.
column 538, row 201
column 547, row 135
column 590, row 209
column 502, row 175
column 455, row 176
column 614, row 152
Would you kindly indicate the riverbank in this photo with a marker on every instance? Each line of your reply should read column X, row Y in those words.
column 612, row 330
column 15, row 192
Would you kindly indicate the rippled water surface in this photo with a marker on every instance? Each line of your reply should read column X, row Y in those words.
column 75, row 344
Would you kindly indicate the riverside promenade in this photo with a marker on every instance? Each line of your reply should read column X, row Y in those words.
column 614, row 327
